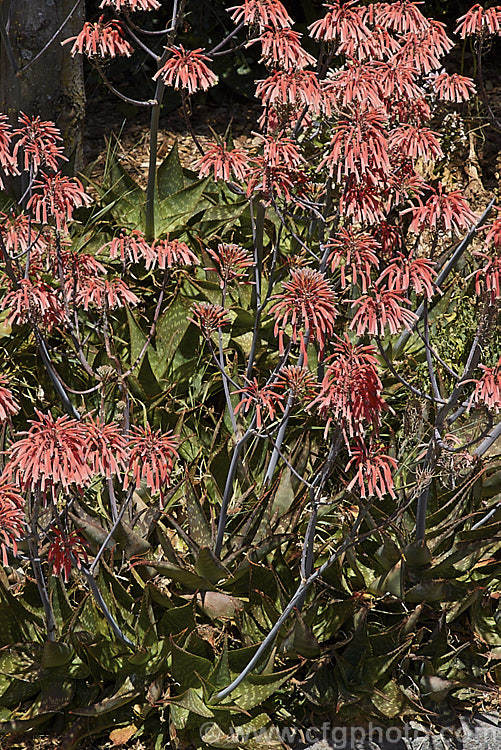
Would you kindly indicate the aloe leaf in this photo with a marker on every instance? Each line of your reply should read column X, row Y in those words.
column 170, row 174
column 176, row 573
column 125, row 694
column 188, row 669
column 257, row 688
column 56, row 654
column 209, row 566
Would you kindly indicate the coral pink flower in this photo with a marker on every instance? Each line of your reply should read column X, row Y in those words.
column 209, row 318
column 280, row 151
column 405, row 272
column 436, row 36
column 274, row 181
column 351, row 389
column 443, row 211
column 453, row 88
column 340, row 24
column 62, row 549
column 223, row 163
column 8, row 404
column 52, row 452
column 58, row 197
column 33, row 302
column 232, row 262
column 390, row 238
column 132, row 5
column 480, row 21
column 381, row 308
column 494, row 232
column 38, row 141
column 374, row 470
column 264, row 398
column 170, row 253
column 7, row 162
column 80, row 270
column 308, row 304
column 419, row 53
column 186, row 69
column 355, row 253
column 298, row 381
column 9, row 493
column 131, row 247
column 19, row 234
column 415, row 143
column 105, row 450
column 488, row 388
column 151, row 457
column 357, row 86
column 379, row 45
column 359, row 145
column 99, row 293
column 100, row 40
column 261, row 13
column 281, row 48
column 402, row 16
column 297, row 88
column 363, row 202
column 12, row 521
column 397, row 80
column 488, row 278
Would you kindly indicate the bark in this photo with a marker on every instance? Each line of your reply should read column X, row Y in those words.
column 53, row 87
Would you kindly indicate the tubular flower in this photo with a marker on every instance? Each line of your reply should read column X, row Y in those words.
column 223, row 163
column 436, row 37
column 447, row 212
column 488, row 388
column 480, row 21
column 131, row 5
column 397, row 80
column 415, row 143
column 357, row 86
column 279, row 151
column 61, row 551
column 264, row 398
column 379, row 45
column 281, row 48
column 99, row 293
column 404, row 272
column 38, row 141
column 12, row 521
column 488, row 278
column 374, row 470
column 278, row 181
column 494, row 232
column 209, row 318
column 402, row 16
column 261, row 13
column 381, row 308
column 453, row 88
column 19, row 234
column 53, row 452
column 33, row 302
column 359, row 146
column 298, row 88
column 58, row 197
column 355, row 253
column 151, row 457
column 308, row 303
column 7, row 161
column 298, row 381
column 340, row 24
column 351, row 390
column 105, row 450
column 8, row 404
column 363, row 203
column 186, row 69
column 232, row 262
column 170, row 253
column 418, row 52
column 100, row 39
column 131, row 247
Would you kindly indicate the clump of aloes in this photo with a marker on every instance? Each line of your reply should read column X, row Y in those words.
column 339, row 266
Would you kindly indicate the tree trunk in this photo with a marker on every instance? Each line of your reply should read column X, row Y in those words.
column 53, row 87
